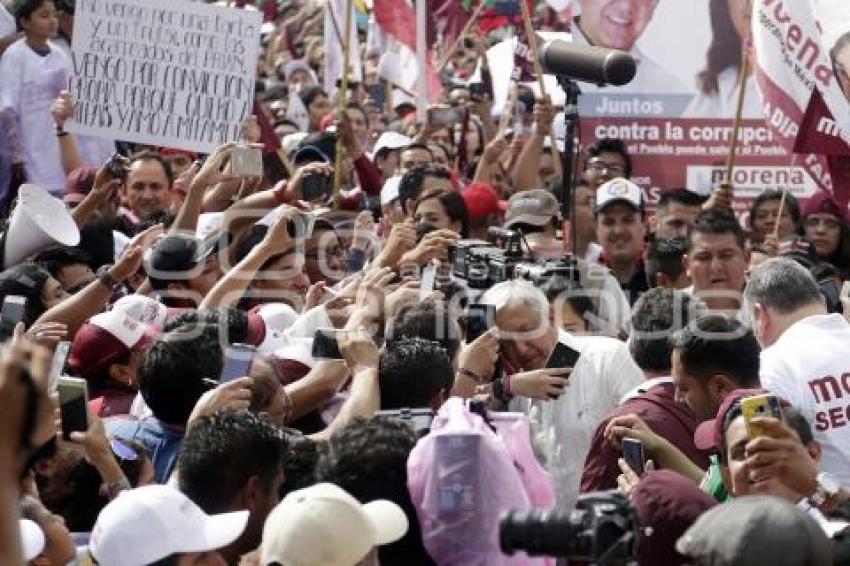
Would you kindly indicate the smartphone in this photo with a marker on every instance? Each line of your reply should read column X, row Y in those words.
column 246, row 161
column 57, row 367
column 457, row 458
column 429, row 278
column 378, row 94
column 759, row 406
column 14, row 307
column 479, row 319
column 326, row 344
column 316, row 186
column 116, row 166
column 634, row 455
column 73, row 401
column 562, row 357
column 237, row 362
column 477, row 91
column 441, row 117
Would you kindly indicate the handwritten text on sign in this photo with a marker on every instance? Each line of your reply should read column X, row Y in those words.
column 165, row 72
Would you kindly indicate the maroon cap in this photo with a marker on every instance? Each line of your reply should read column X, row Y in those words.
column 78, row 184
column 256, row 328
column 481, row 200
column 105, row 338
column 667, row 505
column 709, row 434
column 823, row 202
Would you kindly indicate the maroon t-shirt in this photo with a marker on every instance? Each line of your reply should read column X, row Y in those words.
column 660, row 411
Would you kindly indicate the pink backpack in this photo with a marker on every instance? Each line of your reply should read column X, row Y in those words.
column 462, row 476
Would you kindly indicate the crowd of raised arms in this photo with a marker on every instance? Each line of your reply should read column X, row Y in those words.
column 386, row 346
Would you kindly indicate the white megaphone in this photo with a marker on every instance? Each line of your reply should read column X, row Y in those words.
column 38, row 222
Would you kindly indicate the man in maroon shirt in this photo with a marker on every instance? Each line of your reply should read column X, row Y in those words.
column 657, row 314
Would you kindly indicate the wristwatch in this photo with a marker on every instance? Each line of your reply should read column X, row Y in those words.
column 826, row 487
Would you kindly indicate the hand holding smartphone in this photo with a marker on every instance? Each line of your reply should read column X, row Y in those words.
column 634, row 455
column 14, row 309
column 73, row 405
column 237, row 362
column 760, row 406
column 326, row 344
column 562, row 356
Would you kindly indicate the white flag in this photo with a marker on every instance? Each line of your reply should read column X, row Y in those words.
column 334, row 36
column 398, row 65
column 297, row 112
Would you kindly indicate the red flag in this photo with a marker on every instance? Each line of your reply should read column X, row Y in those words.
column 398, row 19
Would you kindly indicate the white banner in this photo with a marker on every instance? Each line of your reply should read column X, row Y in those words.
column 334, row 30
column 163, row 72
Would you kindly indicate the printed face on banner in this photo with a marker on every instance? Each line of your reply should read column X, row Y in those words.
column 173, row 74
column 615, row 23
column 840, row 55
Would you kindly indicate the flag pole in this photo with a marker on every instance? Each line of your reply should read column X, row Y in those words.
column 346, row 69
column 538, row 70
column 463, row 33
column 739, row 110
column 421, row 59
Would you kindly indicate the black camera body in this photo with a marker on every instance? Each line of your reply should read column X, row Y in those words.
column 602, row 529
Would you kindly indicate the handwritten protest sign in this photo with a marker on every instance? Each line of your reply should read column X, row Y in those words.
column 164, row 72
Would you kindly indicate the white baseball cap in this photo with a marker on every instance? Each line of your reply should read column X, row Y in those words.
column 146, row 310
column 149, row 523
column 277, row 317
column 32, row 538
column 390, row 140
column 618, row 190
column 323, row 525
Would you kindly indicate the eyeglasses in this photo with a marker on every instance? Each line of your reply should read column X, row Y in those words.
column 601, row 167
column 828, row 223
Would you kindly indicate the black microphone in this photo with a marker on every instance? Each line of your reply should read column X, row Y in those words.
column 587, row 64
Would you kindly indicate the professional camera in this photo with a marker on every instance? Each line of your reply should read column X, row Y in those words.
column 602, row 530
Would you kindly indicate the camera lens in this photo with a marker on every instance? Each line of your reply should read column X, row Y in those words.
column 542, row 532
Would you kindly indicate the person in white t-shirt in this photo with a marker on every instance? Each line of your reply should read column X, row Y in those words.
column 805, row 359
column 564, row 417
column 33, row 73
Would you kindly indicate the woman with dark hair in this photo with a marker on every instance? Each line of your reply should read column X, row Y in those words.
column 719, row 82
column 825, row 224
column 443, row 210
column 765, row 214
column 34, row 283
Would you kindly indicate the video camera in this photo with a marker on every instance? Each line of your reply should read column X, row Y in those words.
column 602, row 530
column 482, row 265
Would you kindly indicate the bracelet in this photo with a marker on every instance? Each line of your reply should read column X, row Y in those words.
column 499, row 391
column 107, row 279
column 61, row 133
column 507, row 380
column 471, row 374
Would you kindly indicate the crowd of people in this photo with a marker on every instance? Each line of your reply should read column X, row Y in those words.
column 371, row 364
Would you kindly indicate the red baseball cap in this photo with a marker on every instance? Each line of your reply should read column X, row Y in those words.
column 481, row 200
column 823, row 202
column 78, row 184
column 105, row 338
column 166, row 151
column 709, row 434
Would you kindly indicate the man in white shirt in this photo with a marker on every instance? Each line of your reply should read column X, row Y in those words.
column 563, row 422
column 805, row 357
column 617, row 24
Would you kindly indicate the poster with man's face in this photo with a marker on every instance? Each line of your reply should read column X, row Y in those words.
column 676, row 115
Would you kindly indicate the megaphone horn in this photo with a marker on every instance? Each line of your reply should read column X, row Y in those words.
column 38, row 222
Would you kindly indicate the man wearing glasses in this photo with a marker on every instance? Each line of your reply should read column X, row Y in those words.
column 606, row 159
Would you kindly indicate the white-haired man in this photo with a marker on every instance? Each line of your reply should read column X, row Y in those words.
column 804, row 357
column 565, row 417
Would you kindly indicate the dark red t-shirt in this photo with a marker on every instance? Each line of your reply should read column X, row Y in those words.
column 660, row 411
